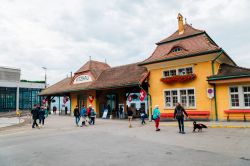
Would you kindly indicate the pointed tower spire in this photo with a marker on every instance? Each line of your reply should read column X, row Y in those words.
column 180, row 24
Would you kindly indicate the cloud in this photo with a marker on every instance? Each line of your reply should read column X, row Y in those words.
column 61, row 34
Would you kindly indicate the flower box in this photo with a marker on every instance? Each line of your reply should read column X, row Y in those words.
column 178, row 78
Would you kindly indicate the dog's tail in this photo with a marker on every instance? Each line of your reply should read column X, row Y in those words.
column 203, row 126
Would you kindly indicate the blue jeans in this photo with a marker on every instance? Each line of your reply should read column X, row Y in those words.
column 77, row 118
column 181, row 124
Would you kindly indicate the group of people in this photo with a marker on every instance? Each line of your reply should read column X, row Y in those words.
column 143, row 116
column 87, row 114
column 178, row 114
column 39, row 113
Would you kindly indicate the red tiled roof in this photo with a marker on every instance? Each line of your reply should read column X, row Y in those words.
column 94, row 66
column 120, row 76
column 127, row 75
column 188, row 31
column 226, row 71
column 192, row 45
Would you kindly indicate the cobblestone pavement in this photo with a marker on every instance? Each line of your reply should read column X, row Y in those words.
column 111, row 142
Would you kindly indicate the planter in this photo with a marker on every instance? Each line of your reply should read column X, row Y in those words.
column 179, row 78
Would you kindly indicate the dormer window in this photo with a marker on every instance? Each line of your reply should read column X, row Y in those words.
column 176, row 49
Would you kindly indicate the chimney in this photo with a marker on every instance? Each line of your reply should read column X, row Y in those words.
column 180, row 24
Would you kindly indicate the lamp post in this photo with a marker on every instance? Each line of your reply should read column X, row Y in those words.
column 45, row 70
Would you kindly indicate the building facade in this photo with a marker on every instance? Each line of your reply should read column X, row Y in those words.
column 187, row 67
column 190, row 68
column 16, row 94
column 106, row 88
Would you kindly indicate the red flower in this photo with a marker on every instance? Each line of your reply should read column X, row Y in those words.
column 179, row 78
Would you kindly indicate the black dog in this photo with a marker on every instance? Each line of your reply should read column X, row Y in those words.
column 198, row 126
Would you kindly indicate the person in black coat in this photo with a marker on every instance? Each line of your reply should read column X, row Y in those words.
column 143, row 115
column 77, row 115
column 41, row 115
column 35, row 116
column 179, row 115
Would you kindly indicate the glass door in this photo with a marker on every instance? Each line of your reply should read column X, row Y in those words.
column 112, row 105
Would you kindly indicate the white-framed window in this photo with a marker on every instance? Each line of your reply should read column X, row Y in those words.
column 184, row 96
column 239, row 96
column 178, row 71
column 246, row 93
column 169, row 73
column 234, row 93
column 189, row 70
column 182, row 71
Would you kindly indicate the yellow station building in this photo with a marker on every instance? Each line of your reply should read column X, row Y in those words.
column 186, row 67
column 190, row 68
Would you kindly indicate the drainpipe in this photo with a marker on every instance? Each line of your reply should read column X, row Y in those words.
column 215, row 100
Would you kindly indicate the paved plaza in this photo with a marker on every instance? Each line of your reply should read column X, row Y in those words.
column 111, row 142
column 4, row 122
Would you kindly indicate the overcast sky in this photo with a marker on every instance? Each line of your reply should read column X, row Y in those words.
column 62, row 34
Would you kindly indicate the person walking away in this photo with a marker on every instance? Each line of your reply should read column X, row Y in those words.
column 142, row 115
column 41, row 115
column 120, row 112
column 156, row 117
column 92, row 116
column 77, row 115
column 35, row 115
column 83, row 114
column 179, row 115
column 66, row 110
column 130, row 116
column 54, row 110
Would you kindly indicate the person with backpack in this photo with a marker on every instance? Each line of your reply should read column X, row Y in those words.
column 179, row 115
column 92, row 116
column 83, row 114
column 88, row 111
column 156, row 117
column 77, row 115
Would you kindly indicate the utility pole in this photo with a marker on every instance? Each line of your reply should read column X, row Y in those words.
column 45, row 76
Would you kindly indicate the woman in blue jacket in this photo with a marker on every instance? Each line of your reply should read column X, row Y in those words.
column 156, row 117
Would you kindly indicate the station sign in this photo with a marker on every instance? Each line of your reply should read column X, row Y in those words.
column 82, row 79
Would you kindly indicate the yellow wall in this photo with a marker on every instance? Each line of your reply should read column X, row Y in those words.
column 200, row 85
column 73, row 101
column 73, row 97
column 223, row 102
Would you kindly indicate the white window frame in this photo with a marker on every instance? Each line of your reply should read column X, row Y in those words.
column 179, row 98
column 177, row 70
column 241, row 97
column 244, row 94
